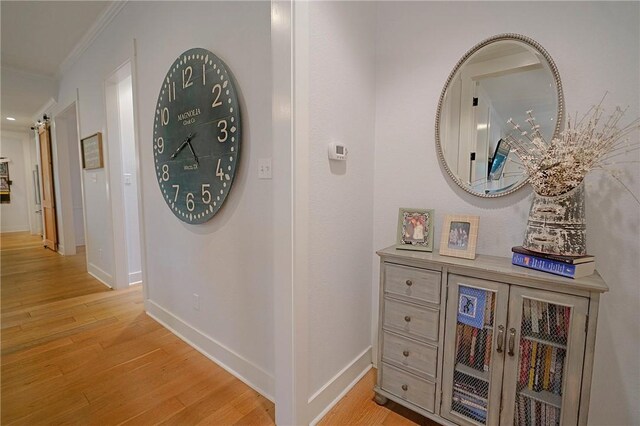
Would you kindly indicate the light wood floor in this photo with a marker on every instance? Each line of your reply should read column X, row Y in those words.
column 75, row 352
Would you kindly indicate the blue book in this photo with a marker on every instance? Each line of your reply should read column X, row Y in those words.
column 552, row 266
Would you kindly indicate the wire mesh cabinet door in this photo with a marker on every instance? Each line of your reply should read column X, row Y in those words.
column 544, row 356
column 474, row 350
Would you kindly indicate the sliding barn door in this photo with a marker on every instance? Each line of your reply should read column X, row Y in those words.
column 48, row 195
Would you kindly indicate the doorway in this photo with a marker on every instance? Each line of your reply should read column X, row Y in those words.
column 68, row 191
column 123, row 176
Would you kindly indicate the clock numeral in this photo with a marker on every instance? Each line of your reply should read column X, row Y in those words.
column 160, row 145
column 223, row 130
column 219, row 172
column 165, row 172
column 206, row 195
column 217, row 88
column 190, row 203
column 177, row 188
column 186, row 80
column 204, row 76
column 172, row 91
column 165, row 116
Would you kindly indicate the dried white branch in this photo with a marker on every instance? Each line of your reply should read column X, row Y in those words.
column 557, row 166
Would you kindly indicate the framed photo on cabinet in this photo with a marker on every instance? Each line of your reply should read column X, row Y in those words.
column 459, row 236
column 415, row 229
column 92, row 157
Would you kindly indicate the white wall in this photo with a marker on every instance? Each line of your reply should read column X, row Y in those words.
column 596, row 48
column 340, row 199
column 76, row 176
column 129, row 179
column 68, row 185
column 235, row 320
column 35, row 210
column 15, row 215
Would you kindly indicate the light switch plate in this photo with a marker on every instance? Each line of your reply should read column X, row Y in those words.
column 264, row 168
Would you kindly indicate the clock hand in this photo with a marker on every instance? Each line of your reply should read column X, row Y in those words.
column 181, row 147
column 193, row 152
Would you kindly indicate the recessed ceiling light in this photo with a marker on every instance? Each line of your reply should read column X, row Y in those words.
column 11, row 119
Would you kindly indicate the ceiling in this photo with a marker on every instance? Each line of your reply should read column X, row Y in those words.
column 36, row 39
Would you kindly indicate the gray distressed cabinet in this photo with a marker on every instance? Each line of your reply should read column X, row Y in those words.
column 483, row 342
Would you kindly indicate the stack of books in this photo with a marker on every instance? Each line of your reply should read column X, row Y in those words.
column 566, row 266
column 532, row 412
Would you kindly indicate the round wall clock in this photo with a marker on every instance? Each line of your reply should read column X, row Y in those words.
column 196, row 135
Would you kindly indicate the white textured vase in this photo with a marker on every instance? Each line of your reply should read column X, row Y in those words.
column 557, row 224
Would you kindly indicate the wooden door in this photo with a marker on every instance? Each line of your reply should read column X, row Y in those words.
column 48, row 194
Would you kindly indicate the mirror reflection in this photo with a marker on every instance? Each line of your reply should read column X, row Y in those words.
column 498, row 81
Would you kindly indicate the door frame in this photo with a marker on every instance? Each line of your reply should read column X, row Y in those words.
column 116, row 185
column 64, row 194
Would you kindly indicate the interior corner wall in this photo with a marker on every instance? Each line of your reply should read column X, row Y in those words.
column 223, row 261
column 14, row 216
column 596, row 48
column 341, row 110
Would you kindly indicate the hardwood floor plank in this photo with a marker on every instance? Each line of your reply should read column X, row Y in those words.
column 75, row 352
column 156, row 414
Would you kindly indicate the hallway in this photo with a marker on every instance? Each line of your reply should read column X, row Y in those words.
column 75, row 352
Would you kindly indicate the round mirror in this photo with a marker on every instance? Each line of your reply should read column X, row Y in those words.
column 501, row 78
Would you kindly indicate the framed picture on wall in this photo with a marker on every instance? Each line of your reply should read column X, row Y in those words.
column 91, row 147
column 415, row 229
column 459, row 236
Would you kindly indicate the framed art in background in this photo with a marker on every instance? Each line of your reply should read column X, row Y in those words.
column 459, row 236
column 92, row 152
column 415, row 229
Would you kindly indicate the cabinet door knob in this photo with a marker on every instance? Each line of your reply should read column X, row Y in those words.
column 407, row 318
column 409, row 283
column 405, row 353
column 405, row 387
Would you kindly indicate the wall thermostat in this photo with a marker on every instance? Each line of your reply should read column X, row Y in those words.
column 337, row 151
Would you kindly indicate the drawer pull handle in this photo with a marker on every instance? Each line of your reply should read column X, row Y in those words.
column 409, row 283
column 407, row 318
column 405, row 353
column 405, row 387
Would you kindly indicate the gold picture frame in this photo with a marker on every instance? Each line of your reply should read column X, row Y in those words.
column 92, row 156
column 459, row 236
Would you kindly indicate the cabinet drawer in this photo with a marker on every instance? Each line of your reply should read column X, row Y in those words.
column 420, row 284
column 410, row 354
column 409, row 387
column 412, row 320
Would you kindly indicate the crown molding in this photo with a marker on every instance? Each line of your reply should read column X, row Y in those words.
column 30, row 74
column 90, row 36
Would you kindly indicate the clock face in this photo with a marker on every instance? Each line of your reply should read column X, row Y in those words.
column 196, row 135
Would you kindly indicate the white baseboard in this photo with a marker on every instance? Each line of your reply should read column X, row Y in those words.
column 19, row 228
column 335, row 389
column 100, row 275
column 135, row 278
column 249, row 373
